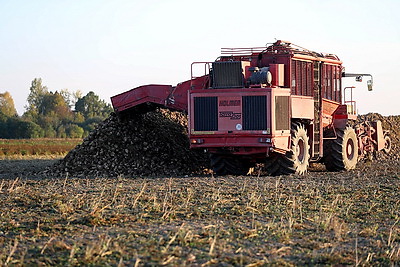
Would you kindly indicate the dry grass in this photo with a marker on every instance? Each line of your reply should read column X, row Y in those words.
column 37, row 147
column 320, row 219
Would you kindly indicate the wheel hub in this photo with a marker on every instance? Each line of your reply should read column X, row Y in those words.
column 350, row 149
column 300, row 150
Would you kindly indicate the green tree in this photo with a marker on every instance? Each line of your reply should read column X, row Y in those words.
column 7, row 107
column 49, row 131
column 78, row 118
column 52, row 112
column 91, row 124
column 54, row 103
column 71, row 97
column 90, row 106
column 74, row 131
column 34, row 130
column 36, row 95
column 15, row 127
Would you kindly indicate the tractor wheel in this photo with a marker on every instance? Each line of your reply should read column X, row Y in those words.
column 294, row 161
column 298, row 158
column 341, row 153
column 388, row 144
column 272, row 164
column 225, row 165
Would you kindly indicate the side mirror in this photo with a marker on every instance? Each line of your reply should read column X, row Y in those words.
column 369, row 84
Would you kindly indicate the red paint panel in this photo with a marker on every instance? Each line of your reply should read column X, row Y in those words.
column 302, row 107
column 148, row 93
column 278, row 74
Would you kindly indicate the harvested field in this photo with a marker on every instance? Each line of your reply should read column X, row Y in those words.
column 323, row 218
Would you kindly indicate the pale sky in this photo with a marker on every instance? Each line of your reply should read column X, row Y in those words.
column 112, row 46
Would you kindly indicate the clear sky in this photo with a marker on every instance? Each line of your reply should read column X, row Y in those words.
column 111, row 46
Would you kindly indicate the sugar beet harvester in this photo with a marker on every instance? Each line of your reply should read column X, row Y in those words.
column 281, row 105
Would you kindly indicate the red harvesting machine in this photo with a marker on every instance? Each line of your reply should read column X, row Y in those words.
column 281, row 105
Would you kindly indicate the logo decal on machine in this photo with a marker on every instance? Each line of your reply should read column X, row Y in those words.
column 229, row 103
column 230, row 114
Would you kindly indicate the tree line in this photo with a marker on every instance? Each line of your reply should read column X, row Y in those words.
column 59, row 114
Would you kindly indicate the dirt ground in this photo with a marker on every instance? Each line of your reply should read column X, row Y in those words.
column 13, row 168
column 322, row 218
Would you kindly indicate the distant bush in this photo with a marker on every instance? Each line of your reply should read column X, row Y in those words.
column 15, row 127
column 74, row 131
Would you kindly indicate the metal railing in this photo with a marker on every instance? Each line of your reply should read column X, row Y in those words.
column 207, row 68
column 242, row 51
column 351, row 104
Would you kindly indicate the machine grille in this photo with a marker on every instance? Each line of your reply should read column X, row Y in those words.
column 282, row 113
column 227, row 74
column 206, row 114
column 254, row 112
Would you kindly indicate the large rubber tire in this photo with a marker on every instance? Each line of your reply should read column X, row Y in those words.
column 341, row 154
column 388, row 144
column 294, row 161
column 298, row 158
column 272, row 164
column 225, row 165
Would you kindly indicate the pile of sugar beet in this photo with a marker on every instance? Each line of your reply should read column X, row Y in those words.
column 141, row 144
column 156, row 144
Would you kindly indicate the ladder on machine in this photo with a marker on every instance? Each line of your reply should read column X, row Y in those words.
column 316, row 146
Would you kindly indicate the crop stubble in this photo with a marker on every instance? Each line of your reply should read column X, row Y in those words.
column 322, row 218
